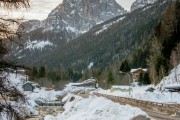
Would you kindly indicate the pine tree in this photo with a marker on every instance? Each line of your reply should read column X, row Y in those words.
column 140, row 79
column 125, row 66
column 110, row 79
column 34, row 72
column 42, row 71
column 162, row 44
column 155, row 60
column 146, row 80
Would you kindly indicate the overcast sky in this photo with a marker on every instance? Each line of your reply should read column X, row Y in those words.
column 126, row 4
column 41, row 8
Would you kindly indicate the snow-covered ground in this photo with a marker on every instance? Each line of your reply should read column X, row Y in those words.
column 173, row 79
column 95, row 108
column 159, row 95
column 106, row 26
column 140, row 93
column 16, row 79
column 100, row 108
column 41, row 95
column 38, row 94
column 38, row 44
column 77, row 87
column 74, row 89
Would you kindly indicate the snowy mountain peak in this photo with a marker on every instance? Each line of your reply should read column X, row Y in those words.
column 75, row 17
column 65, row 23
column 141, row 3
column 78, row 16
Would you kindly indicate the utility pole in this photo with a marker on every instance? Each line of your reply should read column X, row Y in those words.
column 121, row 72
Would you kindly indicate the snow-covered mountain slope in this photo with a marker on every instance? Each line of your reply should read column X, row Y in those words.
column 173, row 79
column 141, row 3
column 66, row 22
column 106, row 26
column 78, row 16
column 109, row 41
column 160, row 95
column 18, row 80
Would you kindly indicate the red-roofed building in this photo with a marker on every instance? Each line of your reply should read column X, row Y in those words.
column 136, row 72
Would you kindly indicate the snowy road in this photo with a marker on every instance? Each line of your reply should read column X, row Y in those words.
column 160, row 116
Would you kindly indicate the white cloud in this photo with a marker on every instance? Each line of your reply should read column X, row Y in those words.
column 41, row 8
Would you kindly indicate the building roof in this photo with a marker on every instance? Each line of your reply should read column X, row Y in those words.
column 73, row 84
column 173, row 86
column 32, row 83
column 120, row 87
column 88, row 81
column 134, row 70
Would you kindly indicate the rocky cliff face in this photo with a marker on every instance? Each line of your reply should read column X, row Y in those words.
column 77, row 16
column 105, row 43
column 66, row 22
column 141, row 3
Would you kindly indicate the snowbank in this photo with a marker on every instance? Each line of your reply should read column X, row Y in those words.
column 173, row 79
column 141, row 93
column 74, row 89
column 159, row 95
column 16, row 80
column 96, row 108
column 44, row 95
column 39, row 94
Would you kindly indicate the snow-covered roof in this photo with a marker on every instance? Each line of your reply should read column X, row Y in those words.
column 172, row 86
column 145, row 70
column 89, row 81
column 73, row 84
column 32, row 83
column 84, row 82
column 120, row 87
column 21, row 70
column 134, row 70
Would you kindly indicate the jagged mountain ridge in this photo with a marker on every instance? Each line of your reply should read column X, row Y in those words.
column 82, row 15
column 109, row 41
column 66, row 22
column 78, row 15
column 141, row 3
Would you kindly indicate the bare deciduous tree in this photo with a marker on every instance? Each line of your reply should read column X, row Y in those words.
column 8, row 32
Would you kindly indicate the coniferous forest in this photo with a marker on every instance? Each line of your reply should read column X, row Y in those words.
column 146, row 44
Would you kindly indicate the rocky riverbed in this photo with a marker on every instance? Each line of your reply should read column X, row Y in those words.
column 47, row 110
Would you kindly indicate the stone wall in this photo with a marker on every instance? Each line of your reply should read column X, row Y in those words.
column 153, row 106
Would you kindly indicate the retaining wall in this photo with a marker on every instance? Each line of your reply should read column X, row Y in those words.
column 154, row 106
